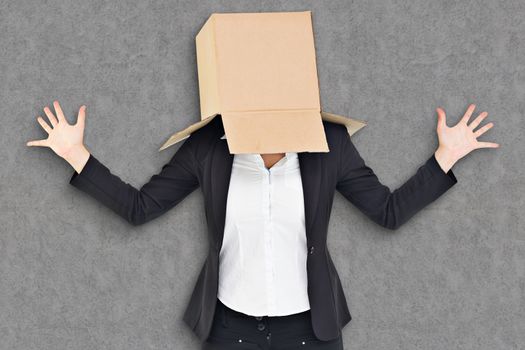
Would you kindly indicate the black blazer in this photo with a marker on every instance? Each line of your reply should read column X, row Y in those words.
column 204, row 160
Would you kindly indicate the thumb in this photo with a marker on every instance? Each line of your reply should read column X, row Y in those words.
column 81, row 119
column 442, row 118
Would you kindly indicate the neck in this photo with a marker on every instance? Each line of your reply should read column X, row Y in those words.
column 271, row 158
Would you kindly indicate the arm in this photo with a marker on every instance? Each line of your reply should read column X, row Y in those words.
column 176, row 180
column 358, row 183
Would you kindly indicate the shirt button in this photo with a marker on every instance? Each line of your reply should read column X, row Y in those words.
column 311, row 249
column 261, row 326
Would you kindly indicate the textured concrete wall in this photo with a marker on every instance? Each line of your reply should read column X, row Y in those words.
column 73, row 275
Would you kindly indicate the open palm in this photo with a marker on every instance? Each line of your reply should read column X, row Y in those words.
column 461, row 139
column 62, row 136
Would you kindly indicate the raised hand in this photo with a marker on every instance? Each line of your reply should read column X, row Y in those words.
column 458, row 141
column 66, row 140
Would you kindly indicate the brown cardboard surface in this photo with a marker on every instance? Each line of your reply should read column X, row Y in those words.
column 274, row 131
column 352, row 126
column 266, row 61
column 185, row 133
column 259, row 72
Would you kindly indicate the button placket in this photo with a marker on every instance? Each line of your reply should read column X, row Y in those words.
column 263, row 324
column 270, row 293
column 260, row 323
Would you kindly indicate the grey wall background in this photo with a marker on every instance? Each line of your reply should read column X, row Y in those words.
column 73, row 275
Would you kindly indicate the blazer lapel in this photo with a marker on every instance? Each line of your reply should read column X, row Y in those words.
column 310, row 167
column 221, row 167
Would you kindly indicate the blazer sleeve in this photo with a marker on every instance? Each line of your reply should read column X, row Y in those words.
column 176, row 180
column 359, row 185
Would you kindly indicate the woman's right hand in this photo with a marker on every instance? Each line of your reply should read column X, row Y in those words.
column 66, row 140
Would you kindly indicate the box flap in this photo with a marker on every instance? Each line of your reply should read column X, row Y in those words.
column 181, row 135
column 352, row 124
column 274, row 131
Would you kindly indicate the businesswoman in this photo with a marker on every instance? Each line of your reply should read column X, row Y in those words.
column 268, row 281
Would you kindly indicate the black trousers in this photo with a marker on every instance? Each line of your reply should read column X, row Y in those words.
column 236, row 330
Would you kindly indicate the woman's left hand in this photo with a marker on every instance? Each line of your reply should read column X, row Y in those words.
column 458, row 141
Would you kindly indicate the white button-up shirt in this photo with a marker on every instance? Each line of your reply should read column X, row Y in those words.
column 262, row 262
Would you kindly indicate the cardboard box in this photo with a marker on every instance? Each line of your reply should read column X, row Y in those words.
column 258, row 72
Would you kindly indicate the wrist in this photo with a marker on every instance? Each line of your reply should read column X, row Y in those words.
column 77, row 157
column 445, row 158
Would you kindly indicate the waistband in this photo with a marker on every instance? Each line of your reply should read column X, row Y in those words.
column 240, row 315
